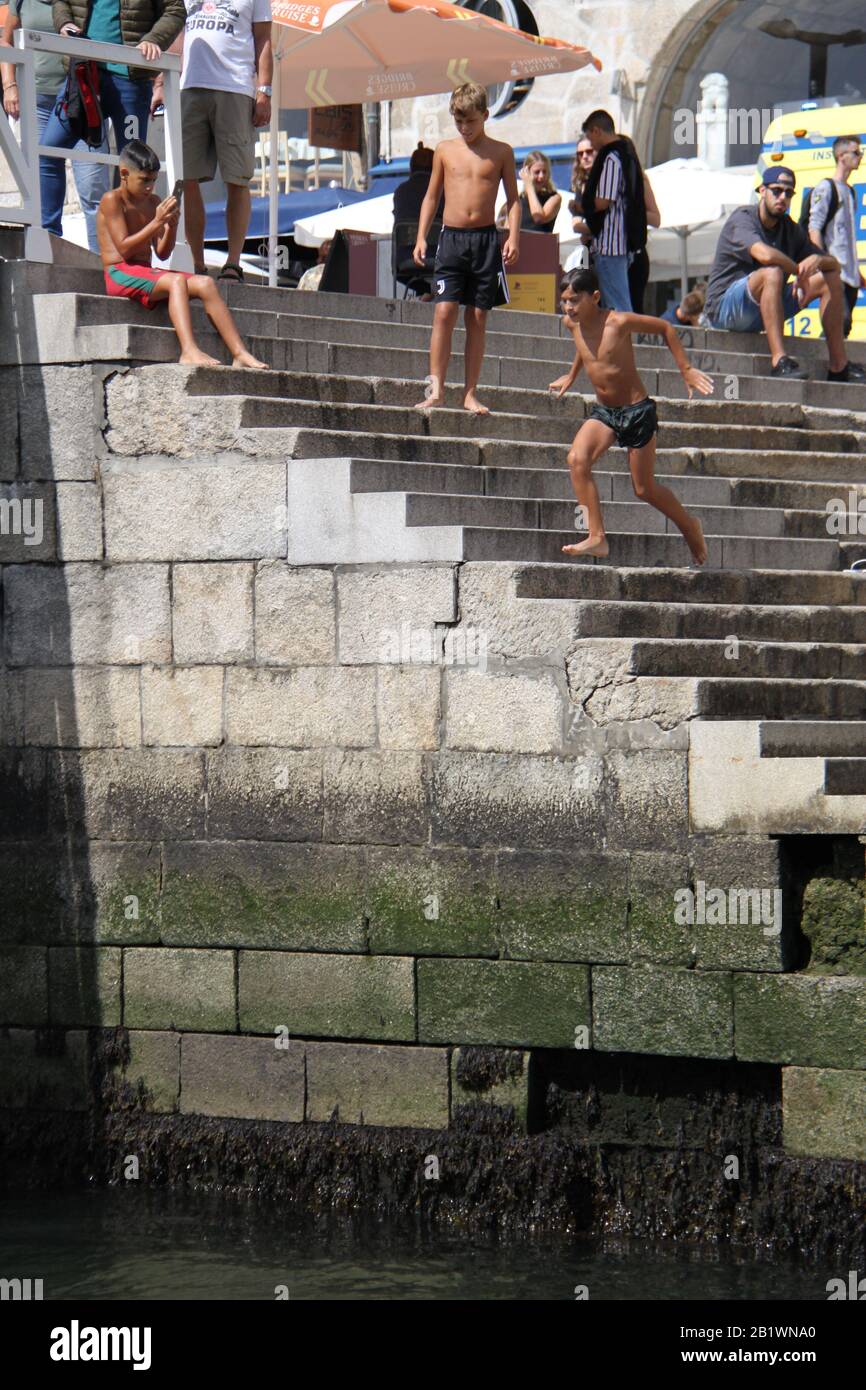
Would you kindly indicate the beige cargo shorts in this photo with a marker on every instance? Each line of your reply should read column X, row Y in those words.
column 217, row 130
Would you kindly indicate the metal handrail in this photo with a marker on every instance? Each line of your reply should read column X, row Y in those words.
column 24, row 161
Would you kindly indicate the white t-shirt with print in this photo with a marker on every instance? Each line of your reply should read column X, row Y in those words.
column 218, row 48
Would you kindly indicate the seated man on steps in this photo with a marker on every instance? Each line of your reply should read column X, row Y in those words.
column 759, row 249
column 131, row 225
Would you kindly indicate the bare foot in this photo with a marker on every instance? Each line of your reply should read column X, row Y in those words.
column 429, row 403
column 695, row 541
column 246, row 359
column 593, row 545
column 473, row 405
column 196, row 358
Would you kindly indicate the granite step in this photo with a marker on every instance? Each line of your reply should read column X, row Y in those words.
column 635, row 549
column 798, row 739
column 691, row 622
column 747, row 660
column 845, row 777
column 761, row 587
column 729, row 698
column 453, row 509
column 261, row 412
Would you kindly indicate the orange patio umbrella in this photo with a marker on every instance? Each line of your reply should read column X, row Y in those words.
column 345, row 51
column 342, row 52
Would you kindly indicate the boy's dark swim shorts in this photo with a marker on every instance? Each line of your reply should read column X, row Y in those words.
column 633, row 425
column 469, row 269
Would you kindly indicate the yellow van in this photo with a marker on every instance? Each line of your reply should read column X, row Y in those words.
column 803, row 140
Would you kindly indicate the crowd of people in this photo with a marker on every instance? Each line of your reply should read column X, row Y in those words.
column 766, row 266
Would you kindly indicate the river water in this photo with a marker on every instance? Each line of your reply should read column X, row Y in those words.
column 130, row 1244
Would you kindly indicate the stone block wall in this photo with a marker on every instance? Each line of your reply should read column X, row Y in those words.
column 247, row 804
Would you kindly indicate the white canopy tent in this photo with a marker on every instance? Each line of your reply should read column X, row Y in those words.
column 376, row 216
column 693, row 200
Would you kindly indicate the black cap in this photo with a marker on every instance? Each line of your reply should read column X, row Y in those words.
column 774, row 175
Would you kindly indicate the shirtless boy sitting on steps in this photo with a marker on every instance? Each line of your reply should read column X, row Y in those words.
column 132, row 224
column 623, row 413
column 469, row 265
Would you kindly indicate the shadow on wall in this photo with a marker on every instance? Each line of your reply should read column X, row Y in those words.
column 62, row 914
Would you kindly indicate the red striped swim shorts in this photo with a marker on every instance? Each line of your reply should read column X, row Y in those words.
column 130, row 281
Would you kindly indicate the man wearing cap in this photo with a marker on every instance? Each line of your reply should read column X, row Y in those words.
column 760, row 248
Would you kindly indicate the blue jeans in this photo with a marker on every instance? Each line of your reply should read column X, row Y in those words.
column 738, row 312
column 91, row 180
column 126, row 104
column 612, row 272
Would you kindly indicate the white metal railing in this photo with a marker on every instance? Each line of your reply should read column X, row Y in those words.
column 23, row 160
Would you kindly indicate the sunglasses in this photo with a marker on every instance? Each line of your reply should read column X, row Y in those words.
column 780, row 190
column 586, row 154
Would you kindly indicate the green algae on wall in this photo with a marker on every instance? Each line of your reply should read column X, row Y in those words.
column 835, row 925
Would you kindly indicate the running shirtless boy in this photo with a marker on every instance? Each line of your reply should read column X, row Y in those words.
column 131, row 225
column 623, row 413
column 469, row 267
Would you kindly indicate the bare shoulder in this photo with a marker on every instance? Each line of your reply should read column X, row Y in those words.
column 500, row 150
column 619, row 321
column 110, row 202
column 643, row 323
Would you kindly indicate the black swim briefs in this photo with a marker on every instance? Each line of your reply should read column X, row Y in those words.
column 633, row 425
column 469, row 268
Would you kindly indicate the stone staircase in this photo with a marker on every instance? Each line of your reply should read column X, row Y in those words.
column 772, row 632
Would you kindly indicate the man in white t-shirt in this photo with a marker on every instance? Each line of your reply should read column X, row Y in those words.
column 225, row 96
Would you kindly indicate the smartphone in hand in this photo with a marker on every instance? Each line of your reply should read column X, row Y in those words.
column 177, row 192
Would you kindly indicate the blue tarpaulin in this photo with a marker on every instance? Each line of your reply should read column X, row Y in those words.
column 292, row 207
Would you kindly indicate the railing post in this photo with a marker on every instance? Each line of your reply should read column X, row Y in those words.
column 181, row 256
column 274, row 188
column 37, row 242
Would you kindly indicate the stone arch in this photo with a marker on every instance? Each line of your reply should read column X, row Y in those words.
column 766, row 69
column 662, row 92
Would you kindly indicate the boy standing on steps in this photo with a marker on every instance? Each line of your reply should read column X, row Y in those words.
column 623, row 412
column 131, row 225
column 469, row 266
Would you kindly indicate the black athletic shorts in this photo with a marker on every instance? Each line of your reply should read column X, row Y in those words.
column 633, row 425
column 469, row 268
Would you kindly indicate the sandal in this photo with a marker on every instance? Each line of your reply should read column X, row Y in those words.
column 231, row 272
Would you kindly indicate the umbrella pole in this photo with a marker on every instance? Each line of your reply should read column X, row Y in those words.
column 682, row 233
column 274, row 189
